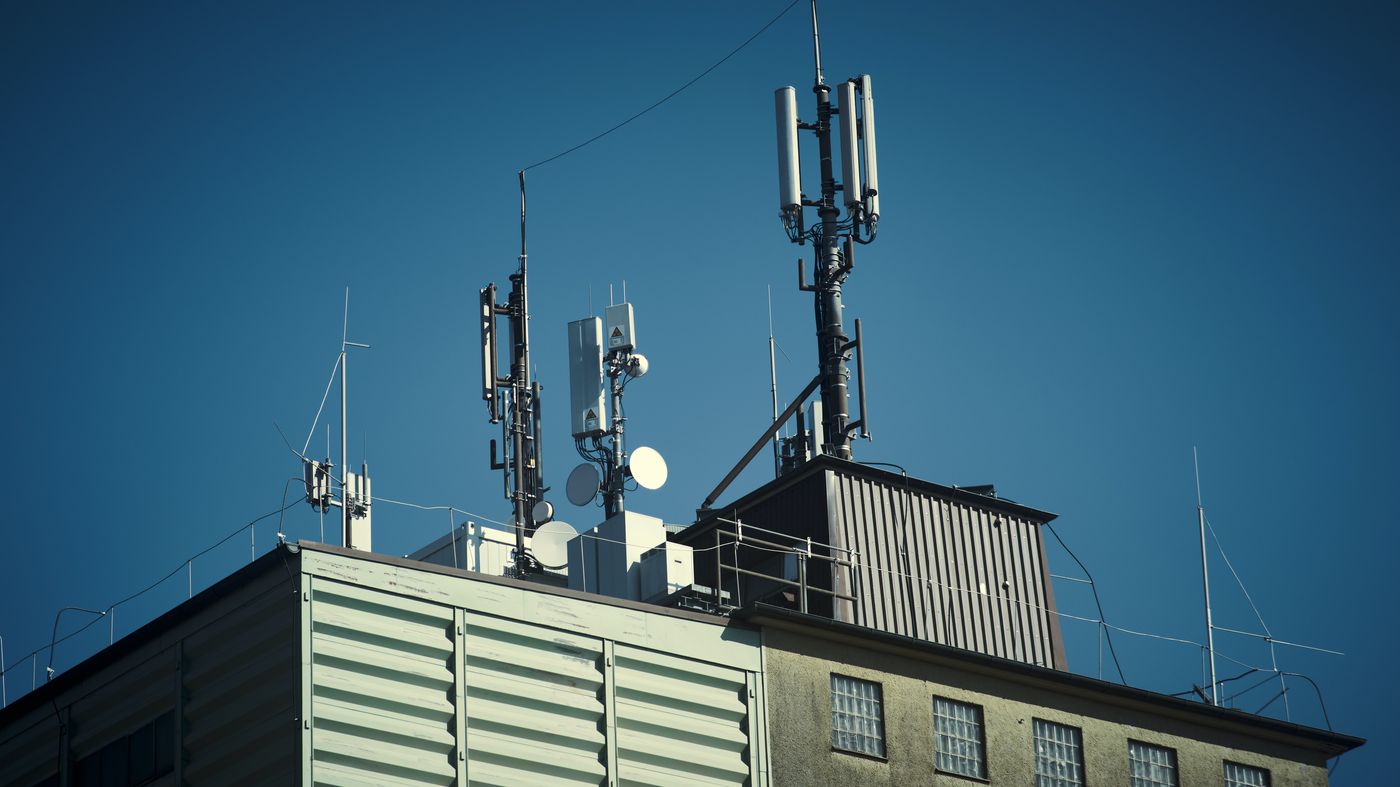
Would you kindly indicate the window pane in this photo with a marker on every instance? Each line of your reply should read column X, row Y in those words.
column 1059, row 755
column 1151, row 766
column 957, row 738
column 857, row 716
column 1237, row 775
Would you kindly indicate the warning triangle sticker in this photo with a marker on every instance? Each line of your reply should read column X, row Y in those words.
column 591, row 414
column 616, row 334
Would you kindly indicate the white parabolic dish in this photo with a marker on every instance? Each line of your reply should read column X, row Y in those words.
column 550, row 543
column 647, row 467
column 582, row 484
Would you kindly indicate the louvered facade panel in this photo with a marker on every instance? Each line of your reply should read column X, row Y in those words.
column 680, row 720
column 382, row 688
column 535, row 704
column 239, row 702
column 29, row 747
column 125, row 702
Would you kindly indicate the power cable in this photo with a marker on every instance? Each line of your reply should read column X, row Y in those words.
column 1095, row 589
column 670, row 95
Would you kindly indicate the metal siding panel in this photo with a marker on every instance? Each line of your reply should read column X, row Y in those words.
column 381, row 687
column 680, row 720
column 29, row 755
column 534, row 704
column 124, row 701
column 237, row 701
column 923, row 538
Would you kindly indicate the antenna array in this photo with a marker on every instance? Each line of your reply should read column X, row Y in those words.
column 833, row 237
column 589, row 364
column 513, row 401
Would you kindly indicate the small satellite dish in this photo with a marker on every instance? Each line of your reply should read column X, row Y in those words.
column 647, row 466
column 637, row 365
column 550, row 544
column 542, row 512
column 582, row 484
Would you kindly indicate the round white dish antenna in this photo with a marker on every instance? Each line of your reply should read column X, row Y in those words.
column 582, row 484
column 637, row 365
column 542, row 512
column 647, row 467
column 550, row 544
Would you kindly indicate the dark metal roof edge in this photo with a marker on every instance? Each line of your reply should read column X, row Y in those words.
column 522, row 584
column 146, row 634
column 825, row 461
column 1327, row 741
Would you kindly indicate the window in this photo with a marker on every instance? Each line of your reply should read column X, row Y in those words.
column 857, row 716
column 957, row 738
column 1237, row 775
column 1059, row 755
column 145, row 755
column 1151, row 766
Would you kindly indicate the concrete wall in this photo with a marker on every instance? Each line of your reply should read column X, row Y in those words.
column 798, row 669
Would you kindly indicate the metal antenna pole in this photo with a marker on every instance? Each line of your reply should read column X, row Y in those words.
column 1205, row 578
column 344, row 460
column 522, row 448
column 773, row 386
column 830, row 273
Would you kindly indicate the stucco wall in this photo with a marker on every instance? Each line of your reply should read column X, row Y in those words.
column 799, row 701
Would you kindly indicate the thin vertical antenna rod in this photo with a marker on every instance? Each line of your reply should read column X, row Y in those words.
column 344, row 458
column 816, row 43
column 773, row 386
column 1205, row 578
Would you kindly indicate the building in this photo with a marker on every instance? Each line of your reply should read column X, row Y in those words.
column 321, row 665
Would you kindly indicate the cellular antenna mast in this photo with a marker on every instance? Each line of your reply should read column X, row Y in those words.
column 833, row 239
column 513, row 401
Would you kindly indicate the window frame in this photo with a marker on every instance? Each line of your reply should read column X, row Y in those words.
column 1079, row 748
column 1176, row 761
column 883, row 755
column 981, row 738
column 1225, row 776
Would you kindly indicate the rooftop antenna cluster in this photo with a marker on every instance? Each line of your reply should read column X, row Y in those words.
column 606, row 350
column 355, row 499
column 848, row 213
column 513, row 401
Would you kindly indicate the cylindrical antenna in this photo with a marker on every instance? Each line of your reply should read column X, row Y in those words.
column 1205, row 579
column 816, row 43
column 789, row 171
column 867, row 131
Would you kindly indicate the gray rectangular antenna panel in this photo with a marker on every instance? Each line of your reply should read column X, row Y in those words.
column 620, row 328
column 586, row 389
column 867, row 130
column 818, row 433
column 488, row 347
column 789, row 173
column 850, row 145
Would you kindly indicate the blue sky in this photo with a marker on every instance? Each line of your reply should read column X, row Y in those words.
column 1111, row 232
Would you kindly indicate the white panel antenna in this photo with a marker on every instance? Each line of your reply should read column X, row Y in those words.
column 586, row 391
column 850, row 146
column 789, row 173
column 867, row 130
column 620, row 327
